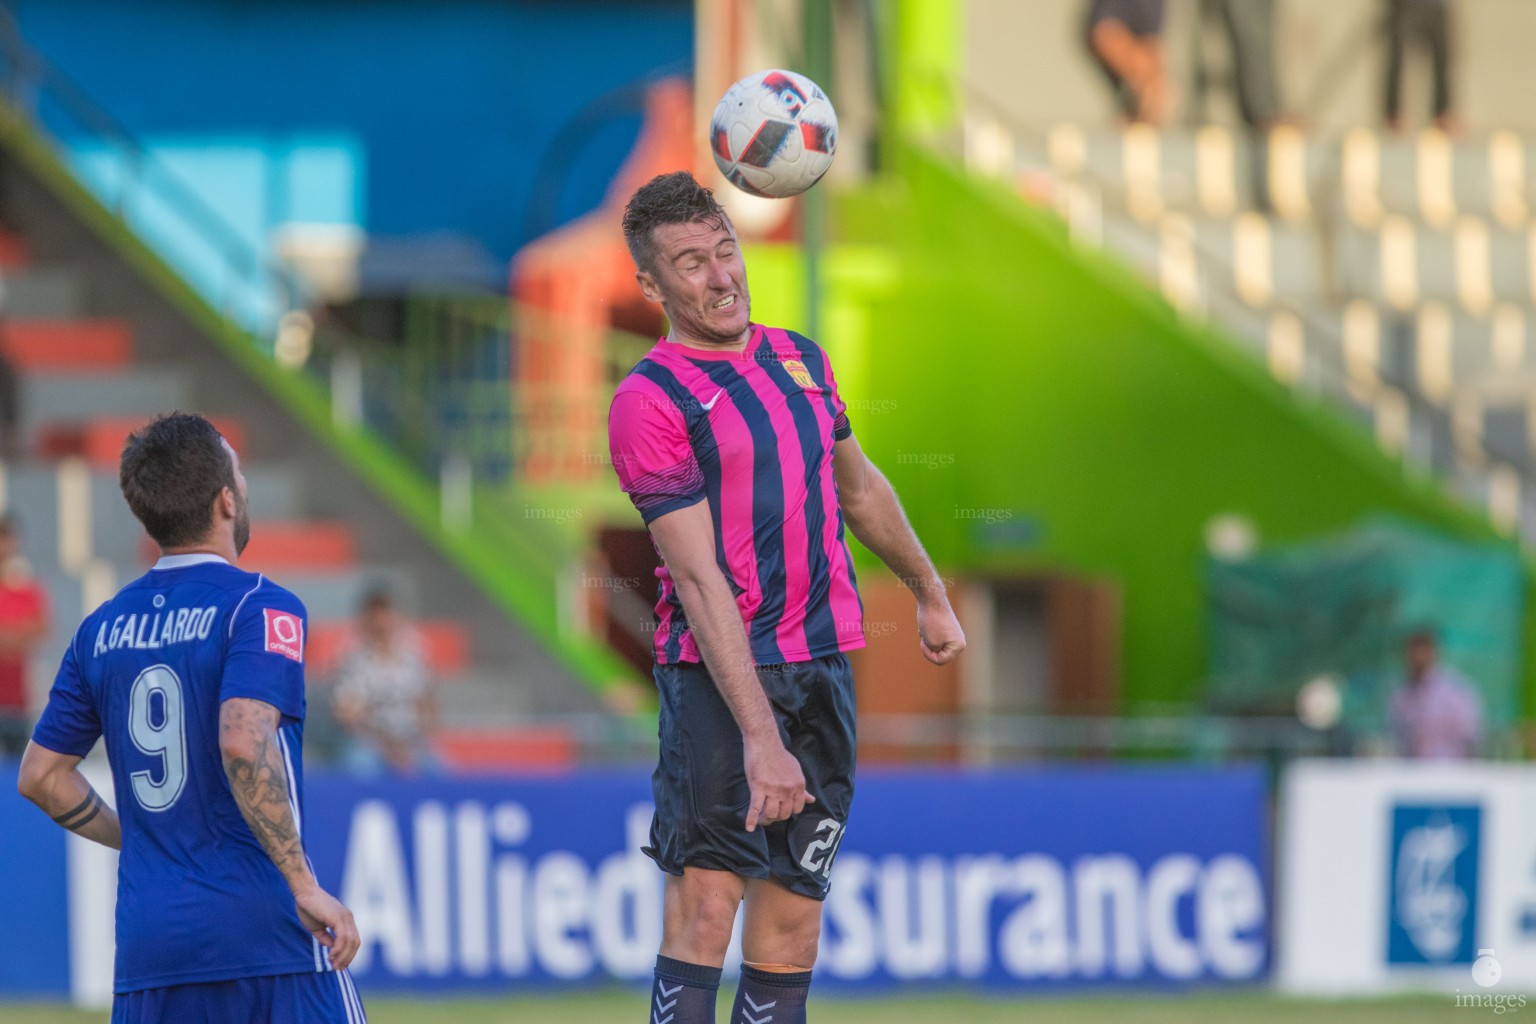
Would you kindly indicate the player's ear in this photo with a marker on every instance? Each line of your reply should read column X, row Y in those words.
column 648, row 286
column 225, row 504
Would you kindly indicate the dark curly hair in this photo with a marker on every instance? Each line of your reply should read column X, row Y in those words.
column 666, row 199
column 171, row 471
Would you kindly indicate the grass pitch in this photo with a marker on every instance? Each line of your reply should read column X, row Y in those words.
column 628, row 1007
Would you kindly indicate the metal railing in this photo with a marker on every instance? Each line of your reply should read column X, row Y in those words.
column 995, row 739
column 455, row 395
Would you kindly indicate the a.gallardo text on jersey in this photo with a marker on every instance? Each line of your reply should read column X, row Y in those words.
column 146, row 632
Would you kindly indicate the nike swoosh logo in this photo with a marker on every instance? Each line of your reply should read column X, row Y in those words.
column 711, row 403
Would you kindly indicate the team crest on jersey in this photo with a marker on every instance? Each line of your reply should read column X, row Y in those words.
column 285, row 634
column 798, row 371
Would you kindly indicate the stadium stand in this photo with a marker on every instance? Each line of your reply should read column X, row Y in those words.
column 1395, row 275
column 98, row 352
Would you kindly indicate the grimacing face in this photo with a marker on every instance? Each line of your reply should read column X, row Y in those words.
column 700, row 280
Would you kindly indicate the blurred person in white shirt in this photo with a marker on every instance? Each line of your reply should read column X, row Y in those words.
column 1436, row 712
column 384, row 697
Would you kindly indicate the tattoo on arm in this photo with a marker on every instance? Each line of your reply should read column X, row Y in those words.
column 79, row 817
column 258, row 778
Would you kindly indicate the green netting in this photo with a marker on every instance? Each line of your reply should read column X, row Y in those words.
column 1344, row 605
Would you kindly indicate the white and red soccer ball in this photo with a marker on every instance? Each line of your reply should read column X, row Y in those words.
column 773, row 134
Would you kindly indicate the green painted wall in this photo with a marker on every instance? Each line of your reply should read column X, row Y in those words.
column 1038, row 407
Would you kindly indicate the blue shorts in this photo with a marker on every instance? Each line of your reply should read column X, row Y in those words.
column 700, row 784
column 324, row 997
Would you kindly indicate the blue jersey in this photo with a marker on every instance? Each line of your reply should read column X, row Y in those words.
column 198, row 899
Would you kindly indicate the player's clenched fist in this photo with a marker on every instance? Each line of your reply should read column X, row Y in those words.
column 940, row 633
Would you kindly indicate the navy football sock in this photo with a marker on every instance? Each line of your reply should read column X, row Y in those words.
column 765, row 997
column 683, row 993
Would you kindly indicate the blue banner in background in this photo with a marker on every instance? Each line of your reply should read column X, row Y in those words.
column 34, row 941
column 1045, row 878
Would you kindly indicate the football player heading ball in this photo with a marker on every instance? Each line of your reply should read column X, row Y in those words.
column 732, row 441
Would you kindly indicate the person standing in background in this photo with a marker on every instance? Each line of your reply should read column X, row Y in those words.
column 383, row 695
column 1436, row 712
column 1249, row 26
column 1124, row 38
column 1428, row 23
column 23, row 625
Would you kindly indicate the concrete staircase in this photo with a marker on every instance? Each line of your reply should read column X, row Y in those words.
column 98, row 352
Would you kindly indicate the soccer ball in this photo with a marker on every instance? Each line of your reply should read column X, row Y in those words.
column 773, row 134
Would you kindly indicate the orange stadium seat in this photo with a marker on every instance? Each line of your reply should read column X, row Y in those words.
column 492, row 750
column 310, row 546
column 100, row 441
column 98, row 345
column 445, row 641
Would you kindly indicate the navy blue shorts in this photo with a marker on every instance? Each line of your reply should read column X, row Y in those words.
column 700, row 784
column 323, row 997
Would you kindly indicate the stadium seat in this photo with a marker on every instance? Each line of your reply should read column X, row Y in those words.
column 444, row 641
column 312, row 546
column 100, row 441
column 506, row 749
column 100, row 345
column 1473, row 264
column 1432, row 178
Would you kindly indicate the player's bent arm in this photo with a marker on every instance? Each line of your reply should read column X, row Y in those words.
column 875, row 516
column 258, row 780
column 686, row 540
column 54, row 782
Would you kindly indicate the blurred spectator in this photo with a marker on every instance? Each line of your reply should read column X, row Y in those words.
column 23, row 625
column 1249, row 26
column 1436, row 713
column 1427, row 22
column 383, row 698
column 1125, row 39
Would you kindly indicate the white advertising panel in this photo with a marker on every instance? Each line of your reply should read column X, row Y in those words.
column 1396, row 875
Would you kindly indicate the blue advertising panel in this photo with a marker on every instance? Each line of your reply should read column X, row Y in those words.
column 1432, row 883
column 34, row 946
column 1045, row 878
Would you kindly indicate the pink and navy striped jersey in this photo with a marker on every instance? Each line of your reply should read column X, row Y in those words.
column 751, row 433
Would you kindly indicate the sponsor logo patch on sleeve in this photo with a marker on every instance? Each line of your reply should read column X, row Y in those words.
column 285, row 634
